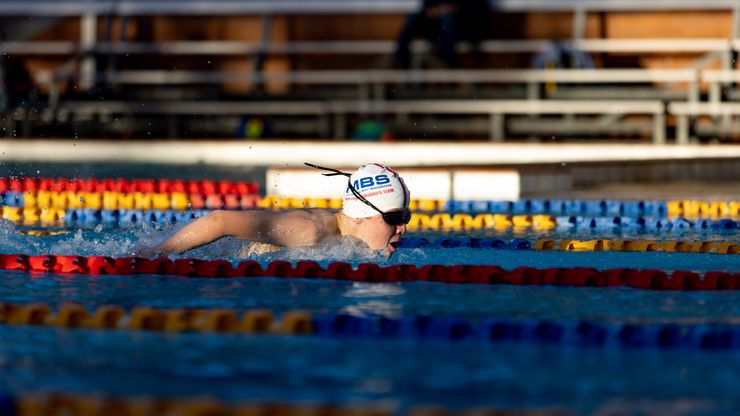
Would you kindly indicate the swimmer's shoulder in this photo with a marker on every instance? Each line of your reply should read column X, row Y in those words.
column 324, row 221
column 309, row 226
column 318, row 215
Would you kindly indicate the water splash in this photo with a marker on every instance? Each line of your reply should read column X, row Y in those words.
column 334, row 249
column 97, row 242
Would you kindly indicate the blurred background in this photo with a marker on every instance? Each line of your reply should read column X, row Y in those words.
column 562, row 125
column 369, row 70
column 572, row 94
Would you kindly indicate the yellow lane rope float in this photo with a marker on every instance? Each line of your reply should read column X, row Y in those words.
column 153, row 319
column 717, row 247
column 181, row 201
column 693, row 208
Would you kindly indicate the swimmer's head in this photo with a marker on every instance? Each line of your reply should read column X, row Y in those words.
column 375, row 207
column 382, row 189
column 376, row 200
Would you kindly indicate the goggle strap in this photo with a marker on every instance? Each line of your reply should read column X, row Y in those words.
column 335, row 172
column 364, row 200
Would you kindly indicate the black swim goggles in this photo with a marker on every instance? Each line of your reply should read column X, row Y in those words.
column 393, row 218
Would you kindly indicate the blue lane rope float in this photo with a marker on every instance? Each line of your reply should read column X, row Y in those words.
column 561, row 207
column 466, row 242
column 162, row 198
column 125, row 218
column 660, row 209
column 718, row 247
column 643, row 223
column 491, row 330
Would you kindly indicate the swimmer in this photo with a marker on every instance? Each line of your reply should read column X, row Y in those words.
column 375, row 210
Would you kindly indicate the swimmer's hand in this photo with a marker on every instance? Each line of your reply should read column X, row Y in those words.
column 149, row 252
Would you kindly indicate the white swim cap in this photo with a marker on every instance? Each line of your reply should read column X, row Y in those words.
column 381, row 186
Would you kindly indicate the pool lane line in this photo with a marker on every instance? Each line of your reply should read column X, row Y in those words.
column 144, row 318
column 625, row 245
column 134, row 200
column 712, row 336
column 182, row 197
column 448, row 221
column 649, row 279
column 125, row 218
column 99, row 185
column 597, row 207
column 62, row 403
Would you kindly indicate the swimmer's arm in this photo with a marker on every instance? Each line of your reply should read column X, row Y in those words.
column 212, row 227
column 281, row 229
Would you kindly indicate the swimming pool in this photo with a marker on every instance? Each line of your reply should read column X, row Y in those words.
column 405, row 368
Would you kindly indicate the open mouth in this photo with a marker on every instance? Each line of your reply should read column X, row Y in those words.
column 394, row 245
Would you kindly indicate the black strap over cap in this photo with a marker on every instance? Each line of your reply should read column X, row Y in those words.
column 335, row 171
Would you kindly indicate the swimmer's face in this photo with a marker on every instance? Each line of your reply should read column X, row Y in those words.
column 379, row 235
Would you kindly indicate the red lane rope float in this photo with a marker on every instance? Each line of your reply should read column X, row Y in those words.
column 369, row 272
column 60, row 404
column 204, row 187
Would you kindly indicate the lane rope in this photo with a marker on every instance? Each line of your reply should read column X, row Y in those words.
column 413, row 327
column 64, row 404
column 95, row 185
column 114, row 193
column 369, row 272
column 582, row 207
column 135, row 200
column 124, row 218
column 717, row 247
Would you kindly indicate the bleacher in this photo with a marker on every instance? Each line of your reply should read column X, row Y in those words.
column 195, row 67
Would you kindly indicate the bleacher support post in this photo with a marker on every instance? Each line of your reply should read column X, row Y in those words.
column 88, row 38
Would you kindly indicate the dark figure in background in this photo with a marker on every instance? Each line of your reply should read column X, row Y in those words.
column 444, row 23
column 19, row 87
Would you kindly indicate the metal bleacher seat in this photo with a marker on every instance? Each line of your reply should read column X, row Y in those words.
column 721, row 110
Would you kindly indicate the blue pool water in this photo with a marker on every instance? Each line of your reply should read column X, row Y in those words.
column 238, row 368
column 397, row 373
column 400, row 374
